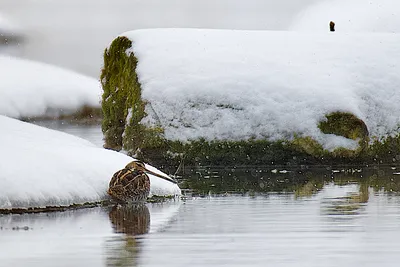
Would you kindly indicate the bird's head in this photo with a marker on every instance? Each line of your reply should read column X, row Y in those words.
column 140, row 166
column 136, row 165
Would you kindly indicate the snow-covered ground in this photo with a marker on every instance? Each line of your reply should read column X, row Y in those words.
column 42, row 167
column 33, row 89
column 228, row 84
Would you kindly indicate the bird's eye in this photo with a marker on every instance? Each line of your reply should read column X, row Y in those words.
column 140, row 164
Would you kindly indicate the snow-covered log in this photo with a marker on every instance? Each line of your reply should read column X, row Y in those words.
column 166, row 89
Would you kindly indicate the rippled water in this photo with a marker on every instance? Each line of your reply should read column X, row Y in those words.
column 336, row 226
column 280, row 230
column 283, row 217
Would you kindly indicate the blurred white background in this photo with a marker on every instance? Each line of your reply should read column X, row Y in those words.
column 74, row 33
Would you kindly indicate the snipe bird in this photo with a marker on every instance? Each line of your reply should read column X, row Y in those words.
column 132, row 184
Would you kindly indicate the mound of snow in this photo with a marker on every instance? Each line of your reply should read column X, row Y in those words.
column 227, row 84
column 350, row 16
column 33, row 89
column 42, row 167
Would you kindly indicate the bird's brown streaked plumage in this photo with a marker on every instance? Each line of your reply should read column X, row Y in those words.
column 132, row 184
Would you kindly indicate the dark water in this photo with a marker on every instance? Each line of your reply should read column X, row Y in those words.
column 270, row 216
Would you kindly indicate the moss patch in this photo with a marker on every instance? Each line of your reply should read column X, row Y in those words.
column 309, row 146
column 385, row 150
column 118, row 79
column 225, row 153
column 344, row 124
column 122, row 105
column 347, row 125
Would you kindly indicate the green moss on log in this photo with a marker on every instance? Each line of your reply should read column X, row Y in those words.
column 312, row 148
column 122, row 105
column 347, row 125
column 385, row 150
column 120, row 85
column 308, row 145
column 224, row 153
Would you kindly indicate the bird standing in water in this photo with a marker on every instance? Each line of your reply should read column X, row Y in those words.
column 132, row 184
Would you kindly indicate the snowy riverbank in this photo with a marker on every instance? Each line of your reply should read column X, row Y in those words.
column 31, row 89
column 41, row 167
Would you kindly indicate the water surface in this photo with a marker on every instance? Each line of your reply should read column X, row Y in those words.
column 335, row 226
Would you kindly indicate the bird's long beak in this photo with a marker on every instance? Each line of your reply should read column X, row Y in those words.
column 161, row 176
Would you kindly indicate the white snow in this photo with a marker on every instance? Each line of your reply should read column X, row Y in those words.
column 33, row 89
column 350, row 16
column 42, row 167
column 231, row 84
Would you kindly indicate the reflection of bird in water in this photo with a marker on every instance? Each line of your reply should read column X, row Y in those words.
column 131, row 219
column 132, row 184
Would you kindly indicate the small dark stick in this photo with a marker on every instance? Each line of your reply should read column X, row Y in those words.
column 332, row 26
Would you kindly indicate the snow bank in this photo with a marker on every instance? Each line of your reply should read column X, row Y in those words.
column 227, row 84
column 32, row 89
column 40, row 167
column 350, row 16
